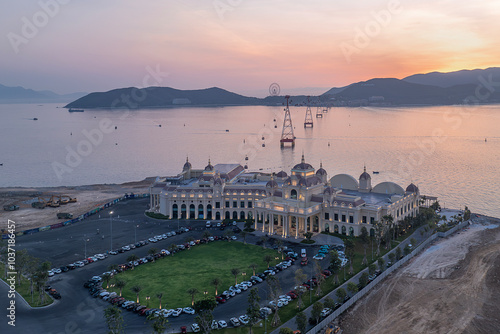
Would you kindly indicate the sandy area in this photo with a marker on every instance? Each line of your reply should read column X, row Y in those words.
column 452, row 287
column 88, row 197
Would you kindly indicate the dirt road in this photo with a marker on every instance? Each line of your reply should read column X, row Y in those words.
column 452, row 287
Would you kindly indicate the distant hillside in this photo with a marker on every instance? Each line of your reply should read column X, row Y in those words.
column 161, row 97
column 400, row 92
column 455, row 78
column 23, row 95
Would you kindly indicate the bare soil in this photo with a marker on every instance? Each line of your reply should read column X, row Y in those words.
column 88, row 197
column 452, row 287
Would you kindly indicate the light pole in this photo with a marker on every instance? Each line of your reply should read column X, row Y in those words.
column 135, row 233
column 85, row 240
column 111, row 228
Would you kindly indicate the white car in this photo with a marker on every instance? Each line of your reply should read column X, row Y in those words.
column 229, row 293
column 50, row 273
column 164, row 251
column 167, row 313
column 177, row 312
column 173, row 233
column 153, row 240
column 169, row 234
column 195, row 327
column 235, row 322
column 234, row 223
column 247, row 283
column 222, row 324
column 235, row 289
column 283, row 301
column 218, row 224
column 326, row 311
column 318, row 257
column 126, row 248
column 257, row 278
column 242, row 287
column 100, row 256
column 165, row 236
column 159, row 237
column 208, row 224
column 97, row 278
column 211, row 238
column 234, row 237
column 244, row 319
column 113, row 252
column 188, row 310
column 215, row 324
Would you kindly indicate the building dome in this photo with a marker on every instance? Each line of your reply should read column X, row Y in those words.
column 302, row 182
column 217, row 180
column 209, row 167
column 412, row 188
column 187, row 165
column 328, row 191
column 282, row 174
column 303, row 165
column 271, row 183
column 288, row 181
column 321, row 171
column 365, row 175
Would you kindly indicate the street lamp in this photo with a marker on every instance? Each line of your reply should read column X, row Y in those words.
column 111, row 228
column 85, row 240
column 135, row 233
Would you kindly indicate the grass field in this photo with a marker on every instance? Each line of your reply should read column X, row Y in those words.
column 194, row 268
column 24, row 289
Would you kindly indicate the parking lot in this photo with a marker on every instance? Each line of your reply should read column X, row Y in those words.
column 128, row 224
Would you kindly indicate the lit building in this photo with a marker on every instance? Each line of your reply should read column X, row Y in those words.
column 282, row 204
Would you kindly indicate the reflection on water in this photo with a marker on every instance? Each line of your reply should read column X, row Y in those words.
column 441, row 149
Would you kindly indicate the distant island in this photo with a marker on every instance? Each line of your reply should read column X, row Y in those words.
column 24, row 95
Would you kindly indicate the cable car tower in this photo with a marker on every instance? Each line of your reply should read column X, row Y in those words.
column 319, row 113
column 309, row 118
column 287, row 135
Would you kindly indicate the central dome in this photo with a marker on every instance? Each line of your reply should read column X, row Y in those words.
column 303, row 165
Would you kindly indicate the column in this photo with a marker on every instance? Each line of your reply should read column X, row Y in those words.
column 256, row 219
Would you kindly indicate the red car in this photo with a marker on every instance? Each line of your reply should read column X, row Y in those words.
column 183, row 330
column 220, row 299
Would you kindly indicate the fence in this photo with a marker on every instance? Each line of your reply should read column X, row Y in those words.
column 79, row 218
column 323, row 324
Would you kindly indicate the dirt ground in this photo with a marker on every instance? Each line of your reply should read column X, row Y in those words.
column 452, row 287
column 88, row 197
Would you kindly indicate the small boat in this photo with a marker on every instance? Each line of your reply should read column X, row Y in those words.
column 263, row 145
column 375, row 172
column 159, row 125
column 75, row 110
column 246, row 157
column 116, row 127
column 275, row 126
column 1, row 164
column 246, row 166
column 227, row 130
column 263, row 138
column 35, row 119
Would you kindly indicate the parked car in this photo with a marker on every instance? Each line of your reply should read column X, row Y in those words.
column 195, row 327
column 188, row 310
column 235, row 322
column 222, row 323
column 244, row 319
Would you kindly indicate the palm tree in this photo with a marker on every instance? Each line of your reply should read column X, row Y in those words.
column 120, row 284
column 264, row 240
column 152, row 251
column 193, row 292
column 112, row 267
column 136, row 289
column 206, row 235
column 106, row 278
column 132, row 258
column 172, row 248
column 253, row 266
column 216, row 282
column 159, row 296
column 235, row 272
column 244, row 235
column 279, row 244
column 267, row 259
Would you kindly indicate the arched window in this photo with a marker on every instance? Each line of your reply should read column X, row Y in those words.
column 351, row 231
column 242, row 215
column 200, row 211
column 250, row 215
column 228, row 215
column 372, row 232
column 192, row 211
column 209, row 211
column 235, row 215
column 343, row 230
column 336, row 229
column 293, row 194
column 183, row 211
column 175, row 211
column 217, row 215
column 327, row 228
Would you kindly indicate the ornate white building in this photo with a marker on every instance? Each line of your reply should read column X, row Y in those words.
column 287, row 205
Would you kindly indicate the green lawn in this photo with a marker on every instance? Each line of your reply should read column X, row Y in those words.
column 194, row 268
column 24, row 289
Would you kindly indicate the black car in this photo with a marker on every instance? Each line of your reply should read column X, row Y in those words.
column 64, row 269
column 71, row 266
column 236, row 230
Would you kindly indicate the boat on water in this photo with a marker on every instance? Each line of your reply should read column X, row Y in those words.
column 35, row 119
column 75, row 110
column 375, row 172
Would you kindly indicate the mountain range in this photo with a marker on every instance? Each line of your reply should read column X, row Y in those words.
column 23, row 95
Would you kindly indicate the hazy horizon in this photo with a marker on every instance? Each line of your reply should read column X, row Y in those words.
column 242, row 46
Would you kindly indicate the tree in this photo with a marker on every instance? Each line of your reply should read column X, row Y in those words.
column 244, row 235
column 248, row 226
column 335, row 265
column 328, row 302
column 235, row 272
column 274, row 293
column 253, row 309
column 316, row 311
column 392, row 257
column 349, row 252
column 365, row 239
column 152, row 251
column 264, row 240
column 413, row 241
column 341, row 294
column 204, row 316
column 206, row 235
column 112, row 267
column 285, row 330
column 192, row 292
column 435, row 206
column 363, row 279
column 253, row 266
column 120, row 284
column 381, row 263
column 398, row 253
column 172, row 248
column 301, row 321
column 158, row 324
column 300, row 277
column 228, row 234
column 279, row 244
column 352, row 287
column 371, row 269
column 388, row 221
column 216, row 282
column 466, row 213
column 132, row 258
column 406, row 250
column 136, row 289
column 159, row 296
column 267, row 259
column 114, row 319
column 106, row 278
column 320, row 278
column 308, row 236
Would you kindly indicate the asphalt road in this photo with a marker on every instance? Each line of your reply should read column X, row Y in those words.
column 77, row 311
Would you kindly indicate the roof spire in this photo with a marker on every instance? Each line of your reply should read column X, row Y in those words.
column 320, row 164
column 187, row 158
column 303, row 159
column 365, row 168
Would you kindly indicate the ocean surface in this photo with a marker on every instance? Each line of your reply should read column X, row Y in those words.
column 452, row 152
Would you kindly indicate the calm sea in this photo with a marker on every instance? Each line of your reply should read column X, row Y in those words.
column 441, row 149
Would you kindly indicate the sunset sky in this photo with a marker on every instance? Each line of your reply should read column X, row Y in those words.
column 240, row 45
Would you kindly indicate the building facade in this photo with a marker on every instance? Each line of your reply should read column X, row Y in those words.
column 282, row 204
